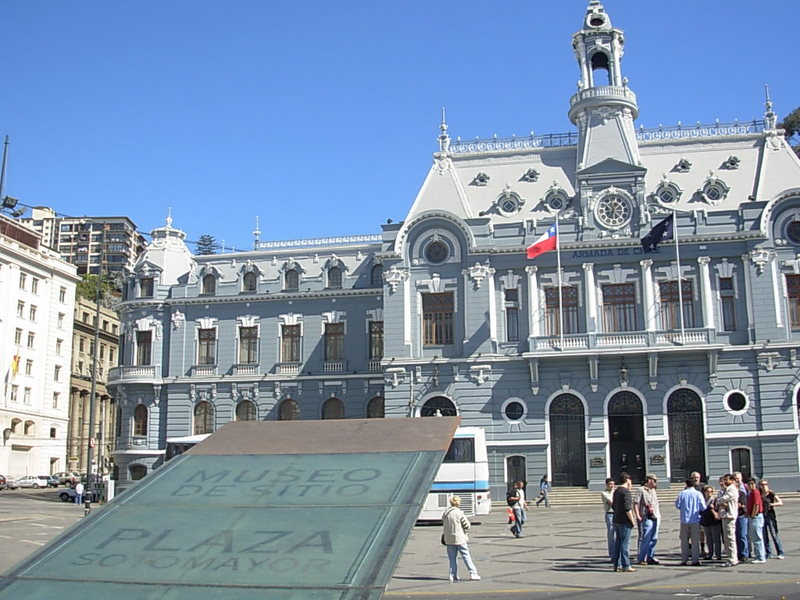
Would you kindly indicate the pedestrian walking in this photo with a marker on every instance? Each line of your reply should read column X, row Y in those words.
column 770, row 500
column 454, row 536
column 624, row 522
column 544, row 490
column 691, row 504
column 516, row 500
column 648, row 515
column 607, row 496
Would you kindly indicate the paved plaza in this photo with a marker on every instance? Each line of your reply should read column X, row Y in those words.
column 562, row 555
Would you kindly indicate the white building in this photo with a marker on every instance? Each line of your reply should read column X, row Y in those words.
column 37, row 298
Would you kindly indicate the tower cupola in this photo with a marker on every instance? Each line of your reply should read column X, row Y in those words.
column 604, row 108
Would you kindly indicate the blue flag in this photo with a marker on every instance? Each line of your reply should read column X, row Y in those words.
column 660, row 233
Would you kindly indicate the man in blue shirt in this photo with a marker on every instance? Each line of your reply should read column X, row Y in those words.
column 691, row 503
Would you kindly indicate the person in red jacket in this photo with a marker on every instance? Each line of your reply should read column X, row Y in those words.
column 755, row 520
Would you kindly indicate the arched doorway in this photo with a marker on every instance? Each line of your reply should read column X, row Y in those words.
column 567, row 441
column 626, row 432
column 438, row 406
column 686, row 437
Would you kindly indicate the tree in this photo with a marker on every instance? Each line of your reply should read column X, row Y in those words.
column 791, row 123
column 207, row 244
column 87, row 288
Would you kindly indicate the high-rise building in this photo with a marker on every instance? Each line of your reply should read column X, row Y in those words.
column 80, row 240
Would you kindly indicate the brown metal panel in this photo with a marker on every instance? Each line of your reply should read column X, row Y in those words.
column 331, row 437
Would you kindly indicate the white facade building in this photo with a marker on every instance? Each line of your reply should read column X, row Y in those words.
column 36, row 314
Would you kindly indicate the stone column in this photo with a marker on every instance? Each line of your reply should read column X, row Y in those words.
column 648, row 295
column 534, row 309
column 706, row 295
column 591, row 298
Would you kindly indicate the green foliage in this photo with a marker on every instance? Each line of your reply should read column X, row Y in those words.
column 207, row 244
column 791, row 123
column 87, row 288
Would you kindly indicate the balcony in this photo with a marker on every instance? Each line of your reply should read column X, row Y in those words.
column 288, row 368
column 374, row 365
column 134, row 374
column 245, row 369
column 334, row 366
column 619, row 340
column 204, row 371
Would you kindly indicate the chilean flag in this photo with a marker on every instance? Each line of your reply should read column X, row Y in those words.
column 546, row 242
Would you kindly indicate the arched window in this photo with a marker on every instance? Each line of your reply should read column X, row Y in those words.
column 376, row 276
column 245, row 411
column 137, row 472
column 438, row 407
column 203, row 418
column 375, row 408
column 140, row 420
column 30, row 427
column 249, row 282
column 14, row 423
column 335, row 278
column 291, row 280
column 333, row 409
column 289, row 411
column 600, row 63
column 209, row 284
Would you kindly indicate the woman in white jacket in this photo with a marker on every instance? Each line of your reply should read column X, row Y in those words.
column 455, row 525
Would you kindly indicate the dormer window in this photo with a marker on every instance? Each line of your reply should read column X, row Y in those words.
column 249, row 282
column 146, row 285
column 714, row 189
column 335, row 278
column 291, row 281
column 481, row 179
column 209, row 284
column 667, row 193
column 376, row 276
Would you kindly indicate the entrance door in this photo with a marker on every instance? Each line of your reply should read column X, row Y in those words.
column 686, row 439
column 626, row 429
column 516, row 470
column 567, row 441
column 740, row 461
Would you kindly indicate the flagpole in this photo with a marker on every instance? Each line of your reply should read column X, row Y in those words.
column 560, row 300
column 680, row 282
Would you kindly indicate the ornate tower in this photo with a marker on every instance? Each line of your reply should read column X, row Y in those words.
column 604, row 108
column 609, row 175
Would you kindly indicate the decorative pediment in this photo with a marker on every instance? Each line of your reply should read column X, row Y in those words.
column 395, row 277
column 250, row 267
column 247, row 320
column 291, row 264
column 611, row 166
column 206, row 322
column 209, row 270
column 334, row 316
column 478, row 273
column 147, row 269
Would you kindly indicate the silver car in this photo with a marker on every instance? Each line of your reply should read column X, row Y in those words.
column 33, row 481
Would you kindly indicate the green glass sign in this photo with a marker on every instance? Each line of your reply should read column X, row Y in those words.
column 241, row 517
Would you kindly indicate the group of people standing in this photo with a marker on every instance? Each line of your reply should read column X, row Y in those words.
column 739, row 515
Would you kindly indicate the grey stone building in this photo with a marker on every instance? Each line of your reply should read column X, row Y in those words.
column 580, row 362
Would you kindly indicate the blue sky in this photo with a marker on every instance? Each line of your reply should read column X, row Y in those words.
column 321, row 117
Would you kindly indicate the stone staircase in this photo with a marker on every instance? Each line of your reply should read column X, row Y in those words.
column 564, row 496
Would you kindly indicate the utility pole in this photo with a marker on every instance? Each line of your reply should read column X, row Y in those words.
column 90, row 488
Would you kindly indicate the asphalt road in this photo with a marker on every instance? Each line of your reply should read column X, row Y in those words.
column 561, row 556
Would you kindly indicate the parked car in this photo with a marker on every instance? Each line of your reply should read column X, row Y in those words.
column 65, row 477
column 52, row 481
column 8, row 483
column 33, row 481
